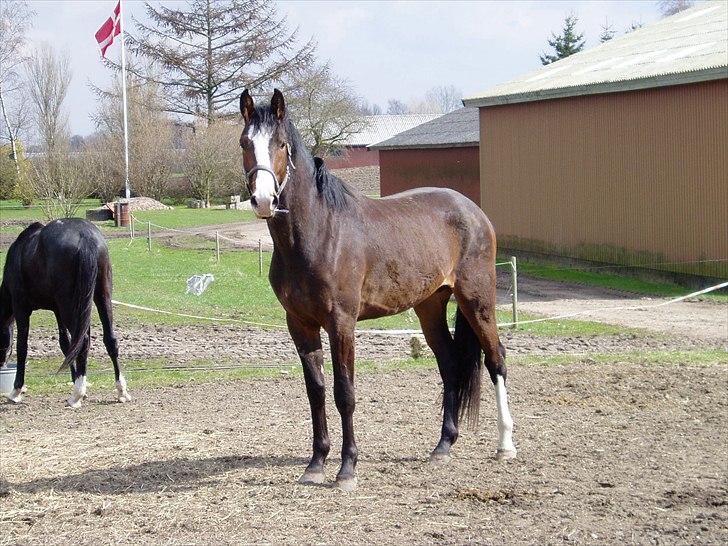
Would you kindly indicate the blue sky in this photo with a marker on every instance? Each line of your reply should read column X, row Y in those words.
column 386, row 49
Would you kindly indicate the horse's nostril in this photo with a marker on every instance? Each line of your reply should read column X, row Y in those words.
column 253, row 201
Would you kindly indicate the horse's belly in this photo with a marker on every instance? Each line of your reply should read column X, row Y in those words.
column 394, row 293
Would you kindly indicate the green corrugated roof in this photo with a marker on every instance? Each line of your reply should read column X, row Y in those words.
column 690, row 46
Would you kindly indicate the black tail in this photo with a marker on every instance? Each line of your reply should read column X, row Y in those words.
column 87, row 268
column 470, row 363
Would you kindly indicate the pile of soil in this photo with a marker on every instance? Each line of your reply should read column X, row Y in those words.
column 140, row 204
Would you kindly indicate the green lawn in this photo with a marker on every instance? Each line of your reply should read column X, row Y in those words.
column 157, row 279
column 611, row 280
column 178, row 217
column 42, row 378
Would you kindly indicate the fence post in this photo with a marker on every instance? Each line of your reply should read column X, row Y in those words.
column 149, row 236
column 514, row 294
column 217, row 245
column 260, row 258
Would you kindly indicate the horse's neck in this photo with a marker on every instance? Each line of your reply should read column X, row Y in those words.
column 301, row 230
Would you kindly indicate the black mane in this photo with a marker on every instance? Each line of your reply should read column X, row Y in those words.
column 334, row 191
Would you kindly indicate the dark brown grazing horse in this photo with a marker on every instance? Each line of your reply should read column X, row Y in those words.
column 340, row 257
column 63, row 267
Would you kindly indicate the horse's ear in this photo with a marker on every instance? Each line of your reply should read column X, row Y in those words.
column 278, row 105
column 246, row 105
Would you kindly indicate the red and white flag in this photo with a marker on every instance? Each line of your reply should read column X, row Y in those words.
column 112, row 27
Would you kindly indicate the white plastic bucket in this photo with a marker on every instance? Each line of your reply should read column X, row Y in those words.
column 7, row 378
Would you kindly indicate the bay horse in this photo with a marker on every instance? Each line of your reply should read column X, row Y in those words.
column 63, row 267
column 340, row 257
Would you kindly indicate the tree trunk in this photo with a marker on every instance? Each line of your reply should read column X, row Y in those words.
column 208, row 91
column 11, row 135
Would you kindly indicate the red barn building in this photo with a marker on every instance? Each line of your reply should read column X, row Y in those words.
column 617, row 154
column 441, row 153
column 354, row 151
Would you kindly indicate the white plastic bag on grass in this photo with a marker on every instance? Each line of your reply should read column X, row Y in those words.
column 197, row 284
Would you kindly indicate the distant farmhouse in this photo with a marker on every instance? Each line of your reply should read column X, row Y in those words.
column 354, row 152
column 617, row 154
column 440, row 153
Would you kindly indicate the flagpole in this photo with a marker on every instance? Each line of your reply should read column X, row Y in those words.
column 127, row 193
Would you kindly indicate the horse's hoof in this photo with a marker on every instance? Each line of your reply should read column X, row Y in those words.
column 15, row 396
column 439, row 458
column 312, row 477
column 73, row 402
column 346, row 484
column 124, row 397
column 505, row 454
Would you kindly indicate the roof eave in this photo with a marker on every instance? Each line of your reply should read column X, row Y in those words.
column 424, row 146
column 663, row 80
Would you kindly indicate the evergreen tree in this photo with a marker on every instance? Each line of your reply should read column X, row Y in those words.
column 564, row 44
column 608, row 32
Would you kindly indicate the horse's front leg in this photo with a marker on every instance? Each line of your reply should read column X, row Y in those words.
column 341, row 338
column 307, row 339
column 23, row 323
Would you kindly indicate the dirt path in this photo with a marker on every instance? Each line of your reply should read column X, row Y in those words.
column 705, row 320
column 607, row 454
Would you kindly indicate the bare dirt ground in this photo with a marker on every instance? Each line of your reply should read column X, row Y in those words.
column 607, row 454
column 706, row 320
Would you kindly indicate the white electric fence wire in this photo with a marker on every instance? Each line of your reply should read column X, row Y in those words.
column 410, row 332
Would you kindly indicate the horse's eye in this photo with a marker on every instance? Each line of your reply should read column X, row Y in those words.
column 283, row 145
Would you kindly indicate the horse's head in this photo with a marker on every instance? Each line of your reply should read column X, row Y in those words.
column 266, row 152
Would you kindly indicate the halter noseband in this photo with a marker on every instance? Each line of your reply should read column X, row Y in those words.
column 277, row 185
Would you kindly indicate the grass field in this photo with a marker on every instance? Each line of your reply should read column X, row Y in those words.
column 607, row 279
column 178, row 217
column 157, row 279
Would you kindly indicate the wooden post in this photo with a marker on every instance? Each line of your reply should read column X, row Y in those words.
column 217, row 245
column 514, row 294
column 149, row 236
column 260, row 258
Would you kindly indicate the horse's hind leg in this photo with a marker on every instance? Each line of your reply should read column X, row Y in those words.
column 476, row 300
column 433, row 318
column 23, row 323
column 103, row 305
column 64, row 341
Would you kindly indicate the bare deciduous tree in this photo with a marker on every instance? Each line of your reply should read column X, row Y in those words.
column 150, row 139
column 49, row 76
column 211, row 49
column 213, row 162
column 325, row 109
column 444, row 98
column 395, row 106
column 15, row 20
column 671, row 7
column 60, row 181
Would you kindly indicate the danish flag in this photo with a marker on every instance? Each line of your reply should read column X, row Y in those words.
column 112, row 27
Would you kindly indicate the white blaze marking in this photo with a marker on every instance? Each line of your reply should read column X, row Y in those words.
column 505, row 422
column 265, row 187
column 78, row 392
